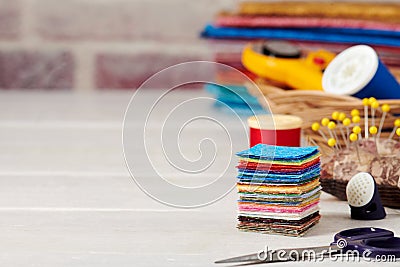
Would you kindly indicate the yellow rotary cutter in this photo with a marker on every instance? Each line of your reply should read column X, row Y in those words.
column 282, row 62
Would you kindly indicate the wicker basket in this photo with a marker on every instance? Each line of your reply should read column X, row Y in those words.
column 312, row 106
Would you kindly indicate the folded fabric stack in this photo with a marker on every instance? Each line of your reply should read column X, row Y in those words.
column 279, row 189
column 311, row 25
column 343, row 22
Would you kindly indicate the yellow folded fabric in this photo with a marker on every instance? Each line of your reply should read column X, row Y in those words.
column 388, row 12
column 278, row 189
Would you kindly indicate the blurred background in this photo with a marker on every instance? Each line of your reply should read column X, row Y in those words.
column 98, row 44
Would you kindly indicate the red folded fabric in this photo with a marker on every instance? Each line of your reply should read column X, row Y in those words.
column 267, row 166
column 236, row 20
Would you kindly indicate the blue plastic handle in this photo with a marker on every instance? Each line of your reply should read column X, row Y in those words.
column 369, row 241
column 385, row 246
column 363, row 233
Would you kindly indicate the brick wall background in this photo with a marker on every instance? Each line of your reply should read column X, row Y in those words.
column 98, row 44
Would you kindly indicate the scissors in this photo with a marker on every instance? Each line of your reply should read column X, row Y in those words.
column 368, row 242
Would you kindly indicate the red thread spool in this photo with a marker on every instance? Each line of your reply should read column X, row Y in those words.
column 280, row 130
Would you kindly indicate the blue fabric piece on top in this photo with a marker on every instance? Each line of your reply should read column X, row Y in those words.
column 278, row 153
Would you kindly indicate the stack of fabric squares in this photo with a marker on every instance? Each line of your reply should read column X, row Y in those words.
column 279, row 189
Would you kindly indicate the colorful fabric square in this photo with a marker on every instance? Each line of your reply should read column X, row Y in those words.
column 279, row 153
column 279, row 189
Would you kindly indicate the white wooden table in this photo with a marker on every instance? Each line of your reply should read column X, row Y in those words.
column 67, row 199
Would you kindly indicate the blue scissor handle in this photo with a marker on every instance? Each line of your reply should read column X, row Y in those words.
column 384, row 246
column 369, row 241
column 363, row 233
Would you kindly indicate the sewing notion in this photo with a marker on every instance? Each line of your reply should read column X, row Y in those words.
column 283, row 62
column 356, row 143
column 367, row 242
column 359, row 72
column 363, row 197
column 280, row 130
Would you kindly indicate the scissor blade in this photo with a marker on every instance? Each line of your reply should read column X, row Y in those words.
column 244, row 258
column 279, row 255
column 321, row 255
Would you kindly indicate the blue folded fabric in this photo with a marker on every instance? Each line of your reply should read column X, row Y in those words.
column 235, row 97
column 337, row 35
column 232, row 94
column 279, row 177
column 279, row 153
column 239, row 109
column 237, row 90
